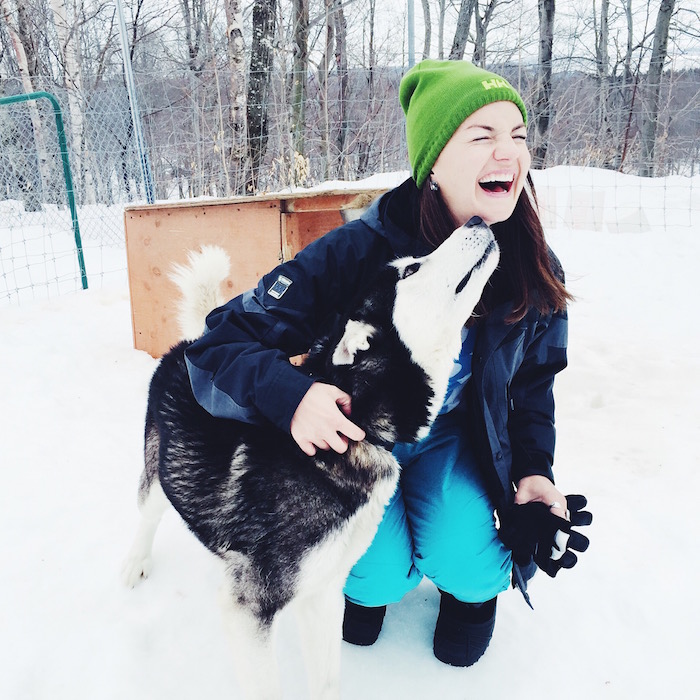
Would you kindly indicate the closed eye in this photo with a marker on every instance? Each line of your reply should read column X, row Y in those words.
column 409, row 270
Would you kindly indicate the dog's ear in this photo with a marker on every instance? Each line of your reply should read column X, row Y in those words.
column 356, row 337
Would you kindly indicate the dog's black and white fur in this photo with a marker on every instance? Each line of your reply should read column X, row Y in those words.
column 289, row 527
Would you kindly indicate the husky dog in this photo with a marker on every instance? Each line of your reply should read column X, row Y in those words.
column 288, row 526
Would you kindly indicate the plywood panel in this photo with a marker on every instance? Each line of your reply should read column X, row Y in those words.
column 334, row 199
column 307, row 218
column 298, row 230
column 257, row 232
column 159, row 236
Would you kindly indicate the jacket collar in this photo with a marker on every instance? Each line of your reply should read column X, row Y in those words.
column 393, row 216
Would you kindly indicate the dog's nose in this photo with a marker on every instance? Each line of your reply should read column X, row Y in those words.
column 475, row 221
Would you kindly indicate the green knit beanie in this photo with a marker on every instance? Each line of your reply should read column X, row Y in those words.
column 437, row 96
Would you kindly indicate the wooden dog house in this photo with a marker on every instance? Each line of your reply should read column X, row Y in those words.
column 257, row 232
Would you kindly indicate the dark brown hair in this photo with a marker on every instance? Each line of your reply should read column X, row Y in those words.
column 528, row 273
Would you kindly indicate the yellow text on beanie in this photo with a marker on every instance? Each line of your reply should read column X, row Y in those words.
column 436, row 97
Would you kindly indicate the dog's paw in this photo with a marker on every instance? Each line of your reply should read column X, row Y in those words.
column 136, row 568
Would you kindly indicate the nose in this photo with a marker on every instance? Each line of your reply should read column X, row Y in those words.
column 475, row 222
column 505, row 149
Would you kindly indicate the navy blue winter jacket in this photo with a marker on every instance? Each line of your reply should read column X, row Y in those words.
column 240, row 368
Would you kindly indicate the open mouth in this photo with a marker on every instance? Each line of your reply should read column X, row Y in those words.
column 499, row 183
column 465, row 280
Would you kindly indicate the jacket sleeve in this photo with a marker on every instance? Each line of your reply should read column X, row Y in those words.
column 240, row 367
column 531, row 399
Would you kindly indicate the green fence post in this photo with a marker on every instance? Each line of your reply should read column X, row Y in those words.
column 63, row 146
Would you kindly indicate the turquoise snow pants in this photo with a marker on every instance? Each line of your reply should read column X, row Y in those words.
column 439, row 524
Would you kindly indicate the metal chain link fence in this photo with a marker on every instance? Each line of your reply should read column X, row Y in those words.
column 187, row 130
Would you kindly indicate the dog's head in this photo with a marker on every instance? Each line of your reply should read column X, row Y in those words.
column 420, row 305
column 436, row 294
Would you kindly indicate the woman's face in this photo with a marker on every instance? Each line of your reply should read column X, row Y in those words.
column 481, row 170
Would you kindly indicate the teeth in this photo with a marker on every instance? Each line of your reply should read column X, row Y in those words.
column 498, row 177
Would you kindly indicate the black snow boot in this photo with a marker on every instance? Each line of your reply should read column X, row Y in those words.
column 361, row 625
column 463, row 630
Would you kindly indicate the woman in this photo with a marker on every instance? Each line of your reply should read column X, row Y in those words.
column 466, row 133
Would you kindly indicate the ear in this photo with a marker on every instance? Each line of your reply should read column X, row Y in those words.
column 356, row 337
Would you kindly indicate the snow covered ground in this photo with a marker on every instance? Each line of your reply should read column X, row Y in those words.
column 622, row 624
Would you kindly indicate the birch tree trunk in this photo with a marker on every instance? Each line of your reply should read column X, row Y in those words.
column 67, row 33
column 651, row 104
column 605, row 137
column 441, row 29
column 32, row 195
column 427, row 38
column 237, row 97
column 24, row 31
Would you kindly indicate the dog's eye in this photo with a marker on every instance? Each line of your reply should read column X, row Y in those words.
column 409, row 270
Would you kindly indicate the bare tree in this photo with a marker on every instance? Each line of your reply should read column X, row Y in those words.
column 481, row 22
column 24, row 29
column 194, row 15
column 427, row 36
column 299, row 70
column 341, row 64
column 237, row 97
column 259, row 76
column 543, row 101
column 659, row 54
column 605, row 138
column 441, row 29
column 459, row 44
column 9, row 13
column 30, row 192
column 365, row 140
column 67, row 31
column 628, row 88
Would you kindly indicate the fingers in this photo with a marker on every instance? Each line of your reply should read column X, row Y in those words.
column 344, row 402
column 561, row 541
column 578, row 541
column 579, row 516
column 306, row 446
column 576, row 502
column 568, row 560
column 348, row 429
column 559, row 509
column 320, row 421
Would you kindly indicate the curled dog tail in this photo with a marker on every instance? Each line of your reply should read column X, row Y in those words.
column 199, row 281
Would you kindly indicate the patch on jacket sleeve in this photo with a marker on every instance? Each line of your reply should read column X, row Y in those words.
column 279, row 287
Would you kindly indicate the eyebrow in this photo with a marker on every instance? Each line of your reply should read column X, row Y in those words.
column 490, row 128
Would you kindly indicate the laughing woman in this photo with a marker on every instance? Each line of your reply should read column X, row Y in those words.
column 491, row 448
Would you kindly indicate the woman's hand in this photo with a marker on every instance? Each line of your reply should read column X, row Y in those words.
column 544, row 532
column 320, row 420
column 541, row 489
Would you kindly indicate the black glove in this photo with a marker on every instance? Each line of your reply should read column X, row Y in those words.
column 531, row 530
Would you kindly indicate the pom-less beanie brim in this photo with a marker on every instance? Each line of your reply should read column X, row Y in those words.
column 436, row 97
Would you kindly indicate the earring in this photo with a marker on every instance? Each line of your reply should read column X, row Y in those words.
column 434, row 187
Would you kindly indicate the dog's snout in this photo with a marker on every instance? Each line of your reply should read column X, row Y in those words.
column 475, row 221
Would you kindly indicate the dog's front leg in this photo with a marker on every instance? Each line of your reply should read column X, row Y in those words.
column 320, row 620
